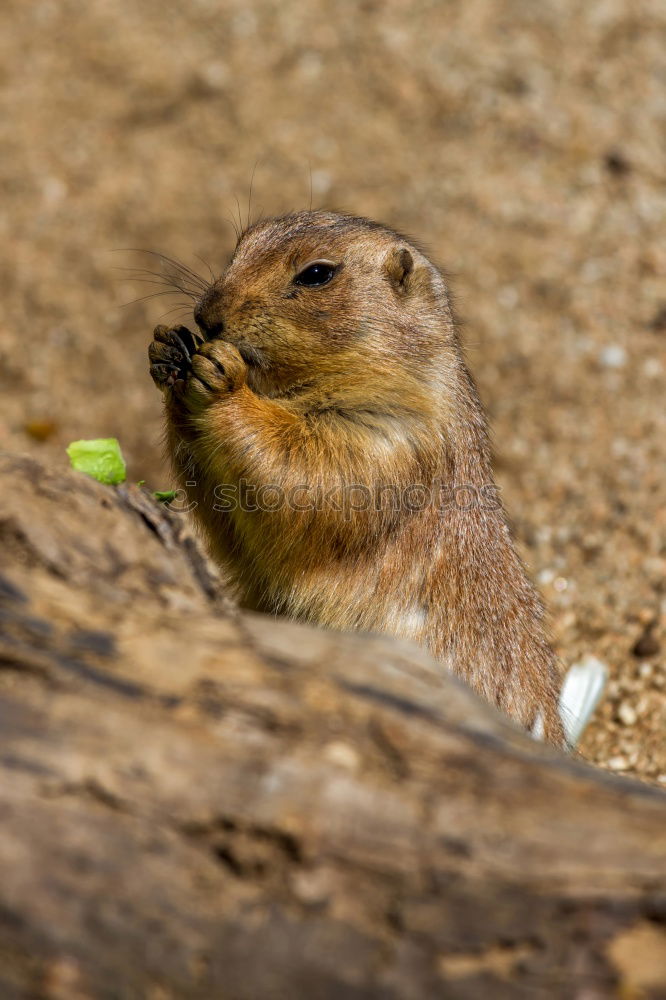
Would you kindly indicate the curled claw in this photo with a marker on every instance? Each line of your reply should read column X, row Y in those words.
column 187, row 341
column 170, row 355
column 178, row 337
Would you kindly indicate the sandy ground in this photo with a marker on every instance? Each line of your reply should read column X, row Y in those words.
column 523, row 143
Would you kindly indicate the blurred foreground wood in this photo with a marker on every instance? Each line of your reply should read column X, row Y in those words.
column 199, row 804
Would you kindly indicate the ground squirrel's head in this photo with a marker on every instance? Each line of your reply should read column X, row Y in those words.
column 311, row 294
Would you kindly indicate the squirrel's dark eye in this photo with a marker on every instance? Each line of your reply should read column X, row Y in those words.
column 318, row 273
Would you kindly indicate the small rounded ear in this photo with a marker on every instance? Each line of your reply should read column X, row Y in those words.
column 399, row 267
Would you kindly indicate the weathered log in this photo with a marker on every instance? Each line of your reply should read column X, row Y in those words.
column 205, row 804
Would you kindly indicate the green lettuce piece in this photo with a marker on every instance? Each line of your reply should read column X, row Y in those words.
column 164, row 496
column 101, row 459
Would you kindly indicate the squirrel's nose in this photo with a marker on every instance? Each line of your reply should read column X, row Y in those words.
column 207, row 318
column 209, row 330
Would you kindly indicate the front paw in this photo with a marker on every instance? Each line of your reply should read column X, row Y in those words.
column 170, row 355
column 218, row 370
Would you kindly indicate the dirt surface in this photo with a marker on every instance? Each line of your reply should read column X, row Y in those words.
column 522, row 143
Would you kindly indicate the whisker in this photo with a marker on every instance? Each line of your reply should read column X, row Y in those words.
column 159, row 280
column 143, row 298
column 146, row 272
column 184, row 284
column 205, row 263
column 240, row 217
column 169, row 312
column 183, row 269
column 249, row 197
column 141, row 270
column 232, row 223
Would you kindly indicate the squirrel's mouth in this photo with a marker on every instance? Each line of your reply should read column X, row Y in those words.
column 209, row 332
column 250, row 355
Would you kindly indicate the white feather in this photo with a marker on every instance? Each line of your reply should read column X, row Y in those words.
column 581, row 693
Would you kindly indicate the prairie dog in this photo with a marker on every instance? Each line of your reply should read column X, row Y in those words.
column 336, row 450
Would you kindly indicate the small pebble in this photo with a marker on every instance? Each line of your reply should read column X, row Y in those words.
column 626, row 714
column 41, row 429
column 508, row 296
column 342, row 754
column 312, row 886
column 652, row 368
column 613, row 356
column 215, row 75
column 618, row 763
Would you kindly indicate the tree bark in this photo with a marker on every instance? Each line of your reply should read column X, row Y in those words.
column 199, row 803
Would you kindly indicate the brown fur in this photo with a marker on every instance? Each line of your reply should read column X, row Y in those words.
column 359, row 381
